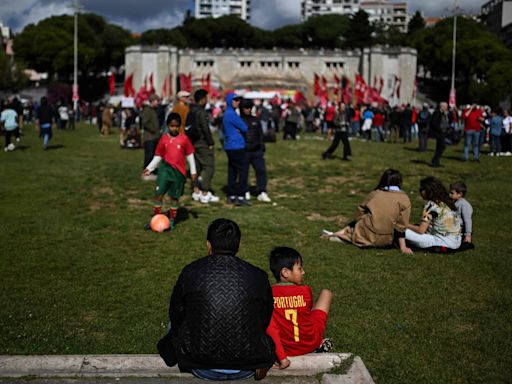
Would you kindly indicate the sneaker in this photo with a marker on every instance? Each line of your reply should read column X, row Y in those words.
column 326, row 233
column 247, row 195
column 326, row 346
column 491, row 154
column 11, row 147
column 6, row 149
column 231, row 200
column 208, row 198
column 264, row 197
column 242, row 201
column 196, row 196
column 508, row 153
column 18, row 139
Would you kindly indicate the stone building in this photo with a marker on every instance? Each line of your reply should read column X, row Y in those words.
column 497, row 16
column 276, row 69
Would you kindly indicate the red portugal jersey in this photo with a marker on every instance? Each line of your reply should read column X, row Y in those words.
column 294, row 328
column 174, row 151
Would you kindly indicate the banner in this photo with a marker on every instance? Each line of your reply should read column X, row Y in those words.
column 112, row 84
column 128, row 90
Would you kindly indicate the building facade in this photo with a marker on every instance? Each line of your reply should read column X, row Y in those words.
column 274, row 69
column 497, row 16
column 218, row 8
column 379, row 11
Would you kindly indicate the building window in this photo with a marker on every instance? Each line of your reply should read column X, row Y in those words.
column 293, row 64
column 246, row 64
column 204, row 63
column 334, row 64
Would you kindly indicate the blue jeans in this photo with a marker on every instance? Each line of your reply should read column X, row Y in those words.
column 471, row 138
column 210, row 374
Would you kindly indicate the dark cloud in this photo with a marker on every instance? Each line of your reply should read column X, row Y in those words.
column 140, row 15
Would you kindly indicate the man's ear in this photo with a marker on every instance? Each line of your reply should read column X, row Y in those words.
column 209, row 248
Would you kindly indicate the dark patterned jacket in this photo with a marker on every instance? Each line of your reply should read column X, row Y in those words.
column 220, row 309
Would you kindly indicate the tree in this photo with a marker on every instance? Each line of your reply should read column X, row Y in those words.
column 326, row 31
column 48, row 45
column 416, row 23
column 360, row 31
column 12, row 77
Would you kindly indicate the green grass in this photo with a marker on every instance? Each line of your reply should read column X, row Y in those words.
column 80, row 275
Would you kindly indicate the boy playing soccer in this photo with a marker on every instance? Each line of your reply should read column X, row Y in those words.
column 297, row 326
column 464, row 208
column 175, row 149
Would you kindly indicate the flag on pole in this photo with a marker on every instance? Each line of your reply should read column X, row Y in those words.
column 128, row 89
column 316, row 85
column 112, row 84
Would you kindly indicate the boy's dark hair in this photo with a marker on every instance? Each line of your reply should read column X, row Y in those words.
column 173, row 116
column 224, row 236
column 459, row 187
column 200, row 94
column 390, row 177
column 283, row 257
column 435, row 191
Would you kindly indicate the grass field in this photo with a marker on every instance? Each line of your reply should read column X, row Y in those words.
column 79, row 275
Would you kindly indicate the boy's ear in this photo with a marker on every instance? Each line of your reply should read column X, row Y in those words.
column 285, row 273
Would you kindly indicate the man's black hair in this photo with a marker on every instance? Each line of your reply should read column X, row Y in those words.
column 200, row 94
column 173, row 116
column 283, row 257
column 224, row 236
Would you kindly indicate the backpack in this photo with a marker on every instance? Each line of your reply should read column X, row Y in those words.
column 423, row 118
column 191, row 127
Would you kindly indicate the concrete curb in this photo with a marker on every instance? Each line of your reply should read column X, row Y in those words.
column 66, row 366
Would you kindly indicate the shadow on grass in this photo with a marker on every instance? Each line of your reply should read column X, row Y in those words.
column 184, row 214
column 417, row 161
column 56, row 146
column 22, row 147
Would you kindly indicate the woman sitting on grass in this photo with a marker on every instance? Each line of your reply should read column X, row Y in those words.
column 381, row 218
column 441, row 225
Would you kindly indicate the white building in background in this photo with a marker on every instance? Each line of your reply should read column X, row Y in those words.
column 383, row 11
column 218, row 8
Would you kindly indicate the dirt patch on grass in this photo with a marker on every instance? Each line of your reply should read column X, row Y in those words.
column 136, row 202
column 318, row 217
column 295, row 182
column 104, row 191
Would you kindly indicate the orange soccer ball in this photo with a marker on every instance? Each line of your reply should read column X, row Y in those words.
column 160, row 223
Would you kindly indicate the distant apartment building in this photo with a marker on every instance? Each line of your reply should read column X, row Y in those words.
column 381, row 11
column 218, row 8
column 497, row 16
column 6, row 39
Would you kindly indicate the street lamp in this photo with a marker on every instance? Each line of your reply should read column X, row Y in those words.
column 75, row 97
column 452, row 100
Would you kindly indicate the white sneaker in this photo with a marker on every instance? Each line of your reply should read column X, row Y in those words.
column 208, row 198
column 264, row 197
column 149, row 178
column 247, row 195
column 6, row 149
column 11, row 147
column 508, row 154
column 196, row 196
column 491, row 154
column 17, row 139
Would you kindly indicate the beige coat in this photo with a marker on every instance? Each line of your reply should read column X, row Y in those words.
column 378, row 216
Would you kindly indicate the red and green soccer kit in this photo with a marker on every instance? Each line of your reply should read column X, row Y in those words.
column 295, row 328
column 174, row 150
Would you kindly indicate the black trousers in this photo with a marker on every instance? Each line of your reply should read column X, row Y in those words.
column 423, row 139
column 343, row 137
column 257, row 160
column 149, row 151
column 440, row 147
column 238, row 168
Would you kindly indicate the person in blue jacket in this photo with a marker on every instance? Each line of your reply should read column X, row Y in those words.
column 234, row 145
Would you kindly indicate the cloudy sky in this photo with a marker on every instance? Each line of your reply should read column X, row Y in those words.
column 141, row 15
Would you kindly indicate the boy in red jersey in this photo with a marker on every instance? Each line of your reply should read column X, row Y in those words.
column 176, row 150
column 297, row 326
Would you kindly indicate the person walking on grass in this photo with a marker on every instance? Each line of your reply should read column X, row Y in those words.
column 175, row 149
column 219, row 312
column 45, row 121
column 9, row 119
column 341, row 125
column 439, row 126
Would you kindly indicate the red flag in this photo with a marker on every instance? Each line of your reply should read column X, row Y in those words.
column 381, row 85
column 398, row 84
column 151, row 89
column 128, row 90
column 299, row 97
column 374, row 84
column 346, row 90
column 337, row 83
column 361, row 90
column 112, row 84
column 208, row 83
column 317, row 85
column 164, row 88
column 186, row 82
